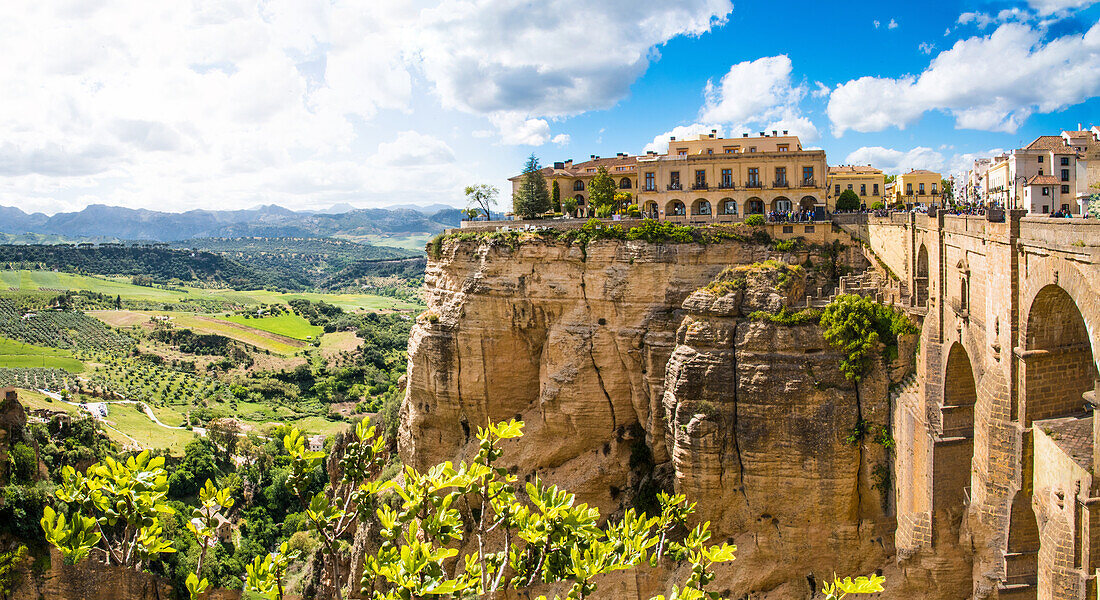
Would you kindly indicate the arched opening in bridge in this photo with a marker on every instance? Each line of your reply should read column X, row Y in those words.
column 1056, row 368
column 921, row 281
column 956, row 451
column 700, row 207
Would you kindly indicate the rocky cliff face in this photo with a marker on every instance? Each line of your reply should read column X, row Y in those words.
column 624, row 370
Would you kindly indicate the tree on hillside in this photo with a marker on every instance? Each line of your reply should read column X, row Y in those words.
column 601, row 192
column 532, row 198
column 481, row 197
column 848, row 200
column 555, row 197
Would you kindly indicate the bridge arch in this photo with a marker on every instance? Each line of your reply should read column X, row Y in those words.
column 1058, row 361
column 921, row 280
column 951, row 490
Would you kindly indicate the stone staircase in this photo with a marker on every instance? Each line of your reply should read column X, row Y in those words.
column 908, row 387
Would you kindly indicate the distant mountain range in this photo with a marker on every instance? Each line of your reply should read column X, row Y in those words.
column 98, row 220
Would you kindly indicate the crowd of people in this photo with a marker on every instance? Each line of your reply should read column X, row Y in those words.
column 805, row 215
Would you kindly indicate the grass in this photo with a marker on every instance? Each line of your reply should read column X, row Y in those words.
column 291, row 326
column 15, row 354
column 320, row 425
column 32, row 400
column 203, row 324
column 121, row 286
column 129, row 419
column 408, row 242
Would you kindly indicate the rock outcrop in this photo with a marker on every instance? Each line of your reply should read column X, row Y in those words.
column 625, row 368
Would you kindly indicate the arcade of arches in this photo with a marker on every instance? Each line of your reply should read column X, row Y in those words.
column 996, row 481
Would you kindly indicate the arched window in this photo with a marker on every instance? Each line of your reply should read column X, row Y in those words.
column 729, row 206
column 624, row 183
column 755, row 206
column 700, row 207
column 580, row 199
column 578, row 186
column 675, row 209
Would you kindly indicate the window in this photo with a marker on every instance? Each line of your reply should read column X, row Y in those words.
column 674, row 180
column 1046, row 191
column 1040, row 171
column 1046, row 208
column 1040, row 159
column 807, row 174
column 754, row 176
column 1065, row 161
column 1065, row 189
column 624, row 183
column 1065, row 174
column 908, row 189
column 578, row 186
column 921, row 187
column 933, row 189
column 650, row 184
column 784, row 147
column 700, row 178
column 752, row 148
column 781, row 175
column 874, row 190
column 863, row 189
column 681, row 152
column 809, row 229
column 788, row 229
column 849, row 186
column 727, row 178
column 729, row 207
column 838, row 189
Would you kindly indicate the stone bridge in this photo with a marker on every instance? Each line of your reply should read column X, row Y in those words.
column 994, row 470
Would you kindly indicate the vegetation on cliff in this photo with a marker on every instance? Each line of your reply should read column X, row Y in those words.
column 857, row 325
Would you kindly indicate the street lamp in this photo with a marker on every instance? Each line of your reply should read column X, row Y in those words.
column 1016, row 190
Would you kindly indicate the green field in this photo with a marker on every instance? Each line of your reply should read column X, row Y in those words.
column 33, row 400
column 289, row 325
column 414, row 242
column 129, row 419
column 120, row 286
column 15, row 354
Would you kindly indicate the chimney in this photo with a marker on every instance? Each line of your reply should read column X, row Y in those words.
column 744, row 135
column 784, row 132
column 763, row 134
column 559, row 165
column 569, row 163
column 774, row 133
column 672, row 138
column 591, row 156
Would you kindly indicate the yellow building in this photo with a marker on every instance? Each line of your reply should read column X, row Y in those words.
column 866, row 181
column 574, row 179
column 918, row 187
column 705, row 178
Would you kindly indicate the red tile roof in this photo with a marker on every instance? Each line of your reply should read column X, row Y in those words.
column 1043, row 180
column 1048, row 142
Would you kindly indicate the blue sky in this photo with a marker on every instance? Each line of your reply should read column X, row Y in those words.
column 310, row 103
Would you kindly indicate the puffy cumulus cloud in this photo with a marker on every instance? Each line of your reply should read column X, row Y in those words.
column 660, row 141
column 1051, row 7
column 414, row 148
column 892, row 25
column 896, row 161
column 514, row 129
column 1046, row 76
column 543, row 58
column 759, row 93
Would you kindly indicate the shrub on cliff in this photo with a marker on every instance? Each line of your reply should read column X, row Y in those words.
column 755, row 220
column 857, row 325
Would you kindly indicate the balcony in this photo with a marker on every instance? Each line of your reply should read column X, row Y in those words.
column 649, row 188
column 780, row 183
column 754, row 184
column 700, row 185
column 726, row 185
column 674, row 187
column 811, row 182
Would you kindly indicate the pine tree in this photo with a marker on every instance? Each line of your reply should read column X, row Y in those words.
column 533, row 198
column 555, row 197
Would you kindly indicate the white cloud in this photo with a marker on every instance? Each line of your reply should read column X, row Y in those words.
column 877, row 23
column 926, row 47
column 892, row 25
column 198, row 104
column 546, row 58
column 1051, row 7
column 896, row 161
column 561, row 139
column 413, row 148
column 1045, row 77
column 820, row 90
column 947, row 32
column 758, row 92
column 660, row 141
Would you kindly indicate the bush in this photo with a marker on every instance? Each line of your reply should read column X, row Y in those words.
column 877, row 206
column 848, row 200
column 856, row 325
column 633, row 211
column 755, row 220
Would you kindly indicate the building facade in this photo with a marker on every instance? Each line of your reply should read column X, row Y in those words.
column 574, row 179
column 705, row 178
column 866, row 181
column 917, row 187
